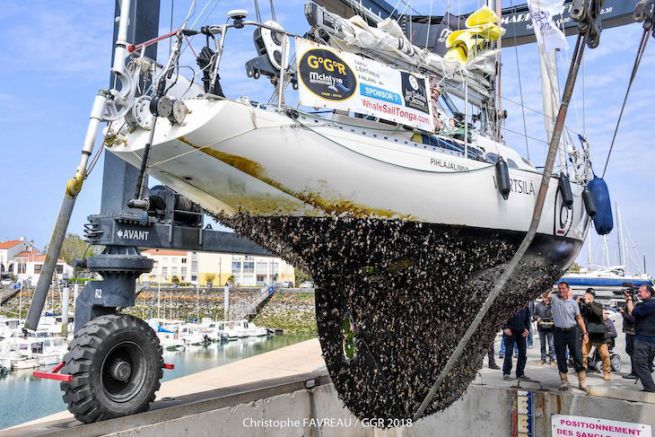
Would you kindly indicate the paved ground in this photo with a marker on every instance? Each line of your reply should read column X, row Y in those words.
column 305, row 357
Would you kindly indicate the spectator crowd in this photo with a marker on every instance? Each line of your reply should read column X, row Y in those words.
column 579, row 334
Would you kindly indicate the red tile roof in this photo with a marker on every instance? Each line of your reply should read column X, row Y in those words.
column 9, row 244
column 169, row 252
column 28, row 254
column 41, row 258
column 34, row 256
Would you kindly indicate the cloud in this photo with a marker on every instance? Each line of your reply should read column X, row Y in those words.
column 66, row 43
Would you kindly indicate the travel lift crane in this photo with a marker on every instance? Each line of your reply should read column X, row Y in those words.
column 114, row 364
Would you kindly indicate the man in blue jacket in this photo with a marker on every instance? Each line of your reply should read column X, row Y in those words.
column 516, row 330
column 644, row 316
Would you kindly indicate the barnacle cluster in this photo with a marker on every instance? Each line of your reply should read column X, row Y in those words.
column 395, row 297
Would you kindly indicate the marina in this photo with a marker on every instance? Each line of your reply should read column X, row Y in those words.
column 21, row 388
column 331, row 218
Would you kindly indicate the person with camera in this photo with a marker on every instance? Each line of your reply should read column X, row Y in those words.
column 592, row 314
column 567, row 318
column 644, row 348
column 543, row 315
column 515, row 331
column 629, row 331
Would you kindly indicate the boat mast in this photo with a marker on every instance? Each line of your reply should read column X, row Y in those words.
column 606, row 256
column 549, row 87
column 497, row 5
column 589, row 253
column 620, row 237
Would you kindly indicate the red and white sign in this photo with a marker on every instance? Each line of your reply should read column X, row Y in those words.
column 577, row 426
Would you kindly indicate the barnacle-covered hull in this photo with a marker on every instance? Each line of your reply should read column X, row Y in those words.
column 394, row 298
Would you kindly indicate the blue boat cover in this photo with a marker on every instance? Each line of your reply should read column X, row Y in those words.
column 603, row 220
column 605, row 282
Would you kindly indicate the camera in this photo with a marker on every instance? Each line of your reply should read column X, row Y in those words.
column 631, row 290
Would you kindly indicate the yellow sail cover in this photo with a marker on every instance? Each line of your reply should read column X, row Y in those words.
column 482, row 28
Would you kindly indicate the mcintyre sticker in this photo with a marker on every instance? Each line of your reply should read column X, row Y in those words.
column 327, row 75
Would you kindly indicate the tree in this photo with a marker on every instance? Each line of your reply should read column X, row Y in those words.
column 175, row 280
column 74, row 247
column 209, row 278
column 301, row 276
column 575, row 268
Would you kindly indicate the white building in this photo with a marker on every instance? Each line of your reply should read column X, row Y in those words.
column 8, row 250
column 26, row 266
column 194, row 268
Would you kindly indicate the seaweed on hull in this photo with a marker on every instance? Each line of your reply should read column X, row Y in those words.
column 394, row 298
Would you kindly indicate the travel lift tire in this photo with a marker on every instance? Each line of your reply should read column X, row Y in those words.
column 116, row 363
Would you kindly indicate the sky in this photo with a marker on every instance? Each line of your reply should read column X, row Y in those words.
column 56, row 56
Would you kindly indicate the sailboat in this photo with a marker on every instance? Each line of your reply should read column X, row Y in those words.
column 405, row 210
column 404, row 207
column 389, row 182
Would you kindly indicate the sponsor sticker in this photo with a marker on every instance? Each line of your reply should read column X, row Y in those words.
column 326, row 75
column 345, row 81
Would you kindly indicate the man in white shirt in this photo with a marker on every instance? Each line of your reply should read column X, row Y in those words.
column 567, row 318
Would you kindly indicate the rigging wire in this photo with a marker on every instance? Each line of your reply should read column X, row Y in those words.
column 518, row 71
column 257, row 12
column 524, row 135
column 192, row 10
column 633, row 252
column 573, row 101
column 200, row 16
column 584, row 104
column 538, row 112
column 98, row 153
column 403, row 12
column 554, row 93
column 525, row 124
column 499, row 78
column 427, row 34
column 409, row 5
column 568, row 140
column 395, row 8
column 640, row 52
column 202, row 13
column 170, row 28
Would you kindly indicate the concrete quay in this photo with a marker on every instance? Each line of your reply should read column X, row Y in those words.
column 287, row 392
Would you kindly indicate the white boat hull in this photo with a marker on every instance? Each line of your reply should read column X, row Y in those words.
column 169, row 343
column 232, row 157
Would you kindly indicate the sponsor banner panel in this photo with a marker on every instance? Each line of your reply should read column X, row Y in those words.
column 339, row 80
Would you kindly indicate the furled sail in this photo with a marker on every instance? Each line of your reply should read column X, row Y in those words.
column 549, row 39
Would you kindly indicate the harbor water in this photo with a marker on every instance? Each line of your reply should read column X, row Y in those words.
column 44, row 396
